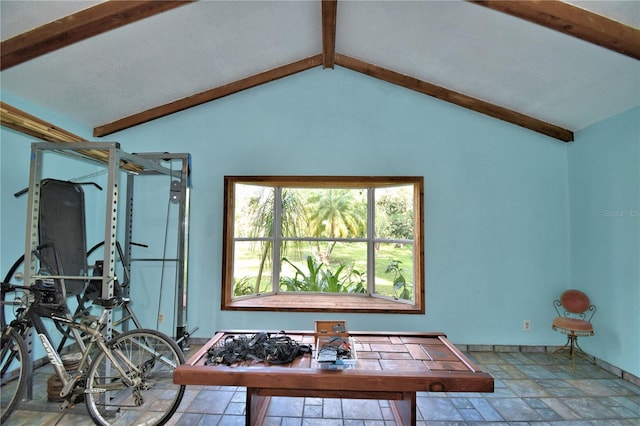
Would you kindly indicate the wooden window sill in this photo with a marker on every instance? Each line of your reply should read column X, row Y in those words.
column 321, row 303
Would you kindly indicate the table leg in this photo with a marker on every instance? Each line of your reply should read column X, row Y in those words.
column 256, row 408
column 404, row 410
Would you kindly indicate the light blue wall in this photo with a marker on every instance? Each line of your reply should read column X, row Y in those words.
column 496, row 197
column 604, row 182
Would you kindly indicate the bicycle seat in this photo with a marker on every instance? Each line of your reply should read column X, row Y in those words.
column 110, row 303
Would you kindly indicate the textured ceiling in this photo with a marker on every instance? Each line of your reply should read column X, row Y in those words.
column 458, row 45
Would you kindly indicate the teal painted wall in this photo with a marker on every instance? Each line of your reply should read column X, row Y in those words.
column 604, row 182
column 496, row 198
column 497, row 242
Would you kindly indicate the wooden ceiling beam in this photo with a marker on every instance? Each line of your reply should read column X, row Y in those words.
column 456, row 98
column 329, row 12
column 20, row 121
column 208, row 95
column 77, row 27
column 574, row 21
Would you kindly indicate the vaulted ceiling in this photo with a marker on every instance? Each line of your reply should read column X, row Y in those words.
column 549, row 66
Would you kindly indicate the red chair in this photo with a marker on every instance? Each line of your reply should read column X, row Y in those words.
column 575, row 312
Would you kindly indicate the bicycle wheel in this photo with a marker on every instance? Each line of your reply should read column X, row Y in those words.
column 149, row 358
column 15, row 365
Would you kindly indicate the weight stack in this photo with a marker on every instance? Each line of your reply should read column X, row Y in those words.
column 54, row 385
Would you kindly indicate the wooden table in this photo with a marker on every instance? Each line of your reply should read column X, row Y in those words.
column 390, row 366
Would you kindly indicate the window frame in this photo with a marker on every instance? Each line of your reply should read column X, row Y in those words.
column 325, row 302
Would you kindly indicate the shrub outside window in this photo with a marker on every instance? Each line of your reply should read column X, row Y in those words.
column 319, row 243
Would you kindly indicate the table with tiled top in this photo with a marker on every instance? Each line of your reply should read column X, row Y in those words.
column 390, row 366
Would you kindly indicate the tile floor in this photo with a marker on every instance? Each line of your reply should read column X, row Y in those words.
column 530, row 389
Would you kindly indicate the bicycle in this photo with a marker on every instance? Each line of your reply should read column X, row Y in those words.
column 127, row 379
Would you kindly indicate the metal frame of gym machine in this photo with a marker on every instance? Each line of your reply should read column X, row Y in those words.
column 116, row 160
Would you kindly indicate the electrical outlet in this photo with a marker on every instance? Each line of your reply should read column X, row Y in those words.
column 526, row 325
column 160, row 317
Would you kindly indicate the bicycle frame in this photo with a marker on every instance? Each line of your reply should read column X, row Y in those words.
column 120, row 376
column 28, row 319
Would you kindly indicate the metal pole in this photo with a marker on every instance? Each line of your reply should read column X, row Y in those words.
column 32, row 240
column 126, row 262
column 110, row 229
column 183, row 253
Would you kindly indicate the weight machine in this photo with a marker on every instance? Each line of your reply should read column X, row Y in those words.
column 135, row 166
